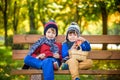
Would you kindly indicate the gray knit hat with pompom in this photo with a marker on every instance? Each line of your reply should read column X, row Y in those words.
column 73, row 26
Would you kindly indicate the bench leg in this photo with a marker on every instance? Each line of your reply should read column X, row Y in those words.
column 36, row 77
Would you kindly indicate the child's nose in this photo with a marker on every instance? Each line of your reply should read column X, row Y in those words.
column 50, row 34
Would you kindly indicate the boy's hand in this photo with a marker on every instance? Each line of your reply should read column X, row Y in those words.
column 67, row 57
column 74, row 46
column 78, row 42
column 56, row 55
column 41, row 56
column 81, row 39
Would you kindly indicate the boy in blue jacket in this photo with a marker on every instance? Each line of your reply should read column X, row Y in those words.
column 73, row 34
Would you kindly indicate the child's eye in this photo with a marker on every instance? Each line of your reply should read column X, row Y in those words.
column 70, row 34
column 75, row 34
column 48, row 31
column 54, row 33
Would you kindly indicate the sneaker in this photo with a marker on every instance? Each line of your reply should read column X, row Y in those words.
column 77, row 78
column 56, row 66
column 64, row 66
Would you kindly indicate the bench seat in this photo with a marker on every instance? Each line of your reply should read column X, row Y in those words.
column 98, row 54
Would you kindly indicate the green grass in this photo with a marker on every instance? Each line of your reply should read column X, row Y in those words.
column 6, row 64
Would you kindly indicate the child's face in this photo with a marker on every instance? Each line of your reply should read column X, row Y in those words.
column 51, row 33
column 72, row 36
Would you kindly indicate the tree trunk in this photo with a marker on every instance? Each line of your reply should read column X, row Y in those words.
column 5, row 23
column 41, row 12
column 117, row 4
column 104, row 21
column 76, row 18
column 15, row 21
column 31, row 15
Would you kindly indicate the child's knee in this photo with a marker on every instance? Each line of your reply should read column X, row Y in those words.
column 71, row 61
column 87, row 64
column 90, row 62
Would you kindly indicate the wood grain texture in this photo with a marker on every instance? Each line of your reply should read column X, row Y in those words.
column 93, row 39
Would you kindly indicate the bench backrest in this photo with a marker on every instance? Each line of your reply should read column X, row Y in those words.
column 93, row 39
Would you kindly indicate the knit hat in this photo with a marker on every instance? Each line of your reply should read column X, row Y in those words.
column 73, row 26
column 51, row 24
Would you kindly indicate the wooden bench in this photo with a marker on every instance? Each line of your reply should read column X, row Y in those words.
column 94, row 54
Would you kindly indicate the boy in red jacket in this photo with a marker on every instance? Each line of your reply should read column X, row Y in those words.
column 45, row 54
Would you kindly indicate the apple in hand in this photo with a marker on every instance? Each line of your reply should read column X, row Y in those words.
column 78, row 42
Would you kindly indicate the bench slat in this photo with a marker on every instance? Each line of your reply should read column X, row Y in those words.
column 94, row 39
column 63, row 72
column 96, row 54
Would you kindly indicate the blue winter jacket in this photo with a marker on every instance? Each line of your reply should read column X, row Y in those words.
column 85, row 46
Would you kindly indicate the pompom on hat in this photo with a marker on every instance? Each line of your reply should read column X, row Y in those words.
column 73, row 26
column 51, row 24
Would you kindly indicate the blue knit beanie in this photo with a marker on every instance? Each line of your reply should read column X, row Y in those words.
column 51, row 24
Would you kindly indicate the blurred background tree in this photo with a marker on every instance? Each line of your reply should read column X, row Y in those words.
column 95, row 17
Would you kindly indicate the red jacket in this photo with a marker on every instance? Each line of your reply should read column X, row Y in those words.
column 46, row 50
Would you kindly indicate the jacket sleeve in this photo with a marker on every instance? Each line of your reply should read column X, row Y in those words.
column 34, row 47
column 85, row 46
column 46, row 50
column 64, row 50
column 36, row 52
